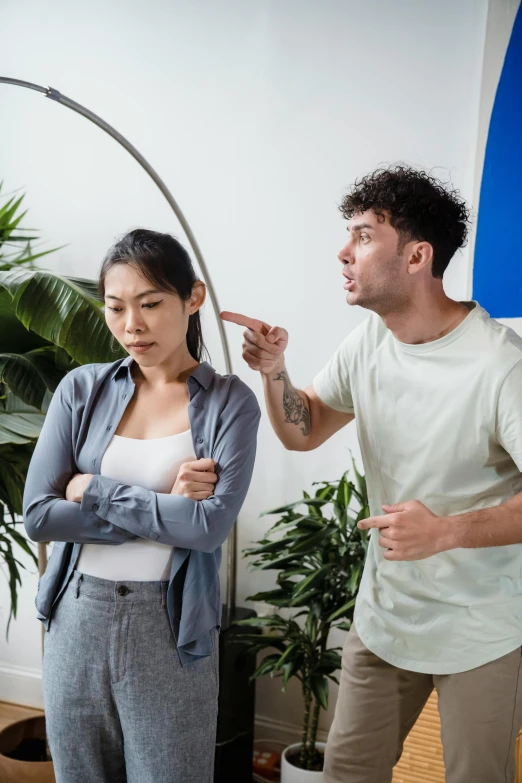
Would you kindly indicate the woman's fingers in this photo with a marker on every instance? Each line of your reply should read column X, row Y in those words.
column 199, row 464
column 195, row 477
column 195, row 486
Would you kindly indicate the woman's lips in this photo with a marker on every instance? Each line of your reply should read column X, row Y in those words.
column 141, row 348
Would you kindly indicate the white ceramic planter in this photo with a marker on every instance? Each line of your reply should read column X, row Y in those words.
column 291, row 774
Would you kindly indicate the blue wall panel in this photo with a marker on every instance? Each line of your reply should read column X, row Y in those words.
column 497, row 272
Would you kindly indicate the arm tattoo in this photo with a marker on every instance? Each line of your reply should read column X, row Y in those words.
column 296, row 411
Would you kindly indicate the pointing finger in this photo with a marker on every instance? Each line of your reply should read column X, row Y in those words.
column 244, row 320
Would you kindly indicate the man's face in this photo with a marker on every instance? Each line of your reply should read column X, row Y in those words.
column 374, row 266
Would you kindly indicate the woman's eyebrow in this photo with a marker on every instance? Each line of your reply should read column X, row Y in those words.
column 138, row 296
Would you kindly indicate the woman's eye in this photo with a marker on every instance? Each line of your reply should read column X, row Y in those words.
column 149, row 305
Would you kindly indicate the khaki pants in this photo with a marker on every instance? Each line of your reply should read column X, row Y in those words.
column 378, row 704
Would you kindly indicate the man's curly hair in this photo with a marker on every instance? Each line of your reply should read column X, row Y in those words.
column 419, row 207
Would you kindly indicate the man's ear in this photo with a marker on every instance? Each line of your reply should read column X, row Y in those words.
column 420, row 256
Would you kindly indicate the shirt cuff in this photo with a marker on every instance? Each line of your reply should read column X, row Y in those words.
column 97, row 495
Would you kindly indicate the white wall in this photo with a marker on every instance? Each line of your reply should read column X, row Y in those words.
column 257, row 115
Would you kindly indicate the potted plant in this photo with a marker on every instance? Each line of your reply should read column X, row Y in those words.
column 319, row 552
column 48, row 325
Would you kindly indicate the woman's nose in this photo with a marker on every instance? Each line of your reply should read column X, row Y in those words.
column 134, row 322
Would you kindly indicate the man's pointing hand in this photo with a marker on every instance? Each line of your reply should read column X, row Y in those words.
column 263, row 345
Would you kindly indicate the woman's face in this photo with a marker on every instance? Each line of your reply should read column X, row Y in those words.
column 149, row 323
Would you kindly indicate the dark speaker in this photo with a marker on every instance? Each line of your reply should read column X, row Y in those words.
column 235, row 728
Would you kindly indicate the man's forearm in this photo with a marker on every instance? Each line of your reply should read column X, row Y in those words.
column 288, row 409
column 496, row 526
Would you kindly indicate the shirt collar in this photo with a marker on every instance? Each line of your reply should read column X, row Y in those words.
column 203, row 373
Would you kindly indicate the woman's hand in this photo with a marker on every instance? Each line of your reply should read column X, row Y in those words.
column 195, row 480
column 76, row 487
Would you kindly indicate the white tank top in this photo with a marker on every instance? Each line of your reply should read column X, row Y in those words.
column 153, row 464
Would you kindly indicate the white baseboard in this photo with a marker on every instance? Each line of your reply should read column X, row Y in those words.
column 267, row 728
column 20, row 685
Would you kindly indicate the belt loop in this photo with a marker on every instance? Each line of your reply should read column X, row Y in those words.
column 78, row 582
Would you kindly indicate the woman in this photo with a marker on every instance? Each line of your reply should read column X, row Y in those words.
column 138, row 475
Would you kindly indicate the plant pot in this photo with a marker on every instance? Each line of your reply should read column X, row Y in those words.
column 292, row 774
column 21, row 739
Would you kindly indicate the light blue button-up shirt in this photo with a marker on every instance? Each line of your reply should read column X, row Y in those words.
column 83, row 415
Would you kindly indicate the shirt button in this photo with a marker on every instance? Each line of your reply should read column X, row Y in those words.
column 95, row 507
column 194, row 405
column 123, row 590
column 94, row 462
column 109, row 427
column 199, row 440
column 124, row 397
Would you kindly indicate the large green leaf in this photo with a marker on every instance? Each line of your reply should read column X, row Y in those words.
column 89, row 287
column 29, row 376
column 58, row 310
column 315, row 577
column 19, row 422
column 13, row 334
column 320, row 690
column 14, row 461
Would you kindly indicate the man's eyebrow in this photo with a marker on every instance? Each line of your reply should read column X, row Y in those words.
column 138, row 296
column 359, row 227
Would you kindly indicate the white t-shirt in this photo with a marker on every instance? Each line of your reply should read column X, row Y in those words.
column 439, row 422
column 153, row 464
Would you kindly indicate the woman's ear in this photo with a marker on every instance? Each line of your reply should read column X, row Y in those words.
column 197, row 297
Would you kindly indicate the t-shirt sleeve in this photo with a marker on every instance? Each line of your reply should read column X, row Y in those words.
column 509, row 414
column 332, row 384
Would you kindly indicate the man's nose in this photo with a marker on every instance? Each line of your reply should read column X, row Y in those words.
column 345, row 255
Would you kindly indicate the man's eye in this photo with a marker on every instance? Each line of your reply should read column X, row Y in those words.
column 364, row 237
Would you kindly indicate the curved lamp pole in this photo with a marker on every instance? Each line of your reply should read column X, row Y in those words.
column 50, row 92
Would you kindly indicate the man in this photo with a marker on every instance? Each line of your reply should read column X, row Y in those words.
column 435, row 387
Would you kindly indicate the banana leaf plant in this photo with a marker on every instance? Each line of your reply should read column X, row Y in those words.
column 48, row 325
column 319, row 552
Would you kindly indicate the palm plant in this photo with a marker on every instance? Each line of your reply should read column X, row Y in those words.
column 319, row 553
column 48, row 325
column 16, row 242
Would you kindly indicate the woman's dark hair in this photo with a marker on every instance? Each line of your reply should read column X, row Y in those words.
column 419, row 206
column 165, row 263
